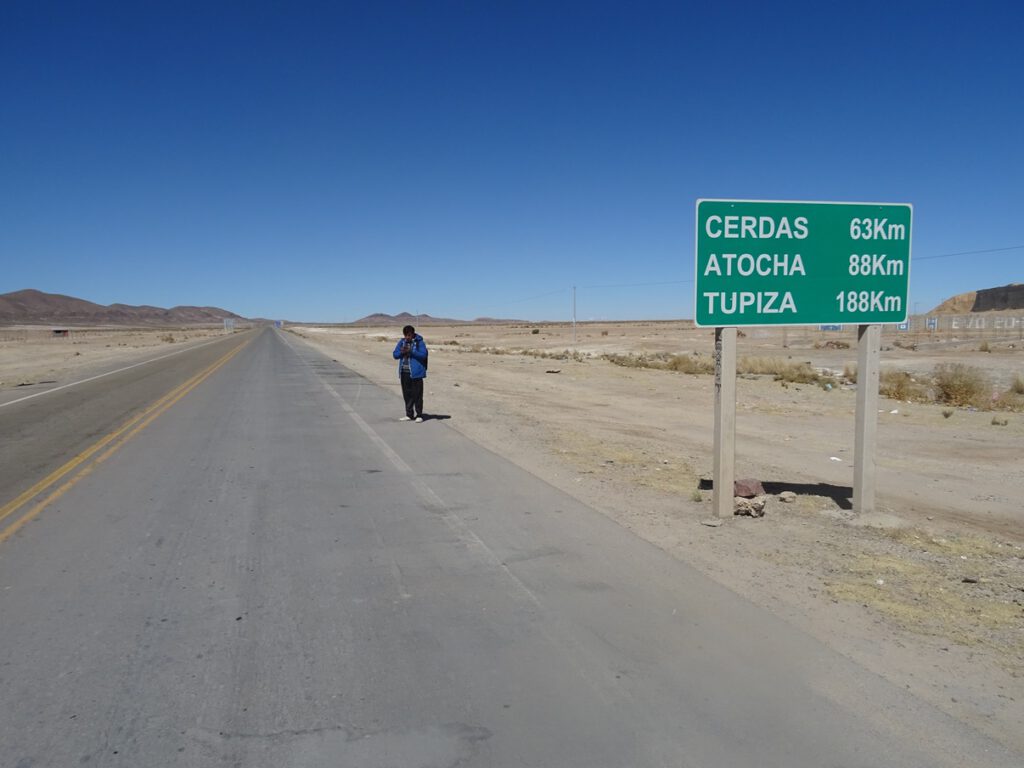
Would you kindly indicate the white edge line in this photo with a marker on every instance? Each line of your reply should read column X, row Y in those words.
column 108, row 373
column 568, row 646
column 426, row 493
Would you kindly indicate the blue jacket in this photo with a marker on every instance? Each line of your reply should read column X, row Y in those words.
column 417, row 357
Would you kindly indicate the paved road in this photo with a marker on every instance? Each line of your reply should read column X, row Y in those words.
column 275, row 572
column 40, row 430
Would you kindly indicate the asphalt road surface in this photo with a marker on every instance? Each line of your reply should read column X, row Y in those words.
column 261, row 566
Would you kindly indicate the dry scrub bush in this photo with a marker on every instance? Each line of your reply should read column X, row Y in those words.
column 565, row 354
column 678, row 363
column 900, row 385
column 1013, row 398
column 783, row 370
column 1009, row 401
column 959, row 384
column 628, row 361
column 689, row 364
column 797, row 373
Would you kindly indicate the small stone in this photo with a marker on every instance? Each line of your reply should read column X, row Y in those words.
column 787, row 496
column 747, row 488
column 749, row 507
column 712, row 522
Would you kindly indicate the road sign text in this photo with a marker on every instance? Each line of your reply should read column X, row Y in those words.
column 791, row 263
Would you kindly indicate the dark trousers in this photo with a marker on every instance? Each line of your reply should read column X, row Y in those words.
column 412, row 391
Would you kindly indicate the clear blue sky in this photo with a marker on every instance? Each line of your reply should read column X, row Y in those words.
column 322, row 161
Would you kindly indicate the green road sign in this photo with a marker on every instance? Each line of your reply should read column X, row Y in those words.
column 788, row 263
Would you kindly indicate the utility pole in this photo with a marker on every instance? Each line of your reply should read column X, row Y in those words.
column 574, row 318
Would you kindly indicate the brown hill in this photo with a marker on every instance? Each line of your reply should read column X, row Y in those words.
column 32, row 307
column 1006, row 298
column 402, row 318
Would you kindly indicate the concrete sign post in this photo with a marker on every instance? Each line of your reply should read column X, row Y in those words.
column 767, row 262
column 868, row 358
column 725, row 422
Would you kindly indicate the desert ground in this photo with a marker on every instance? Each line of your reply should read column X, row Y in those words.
column 928, row 592
column 32, row 357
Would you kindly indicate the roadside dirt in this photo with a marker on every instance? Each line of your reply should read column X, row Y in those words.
column 928, row 592
column 32, row 358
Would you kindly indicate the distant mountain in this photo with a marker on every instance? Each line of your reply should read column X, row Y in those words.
column 404, row 318
column 32, row 307
column 1007, row 298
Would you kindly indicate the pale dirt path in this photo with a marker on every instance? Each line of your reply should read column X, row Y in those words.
column 632, row 444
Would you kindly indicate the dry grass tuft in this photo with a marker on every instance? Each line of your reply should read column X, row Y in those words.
column 952, row 546
column 621, row 457
column 565, row 354
column 942, row 587
column 900, row 385
column 962, row 385
column 783, row 370
column 1009, row 401
column 678, row 363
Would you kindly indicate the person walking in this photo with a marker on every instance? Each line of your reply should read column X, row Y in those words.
column 411, row 354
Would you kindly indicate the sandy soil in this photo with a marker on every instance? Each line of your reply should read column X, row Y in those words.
column 928, row 592
column 32, row 358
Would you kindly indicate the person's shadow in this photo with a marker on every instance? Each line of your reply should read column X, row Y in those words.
column 435, row 416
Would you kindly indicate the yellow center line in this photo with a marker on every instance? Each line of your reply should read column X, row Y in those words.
column 112, row 442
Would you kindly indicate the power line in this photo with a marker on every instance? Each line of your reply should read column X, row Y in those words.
column 967, row 253
column 638, row 285
column 531, row 298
